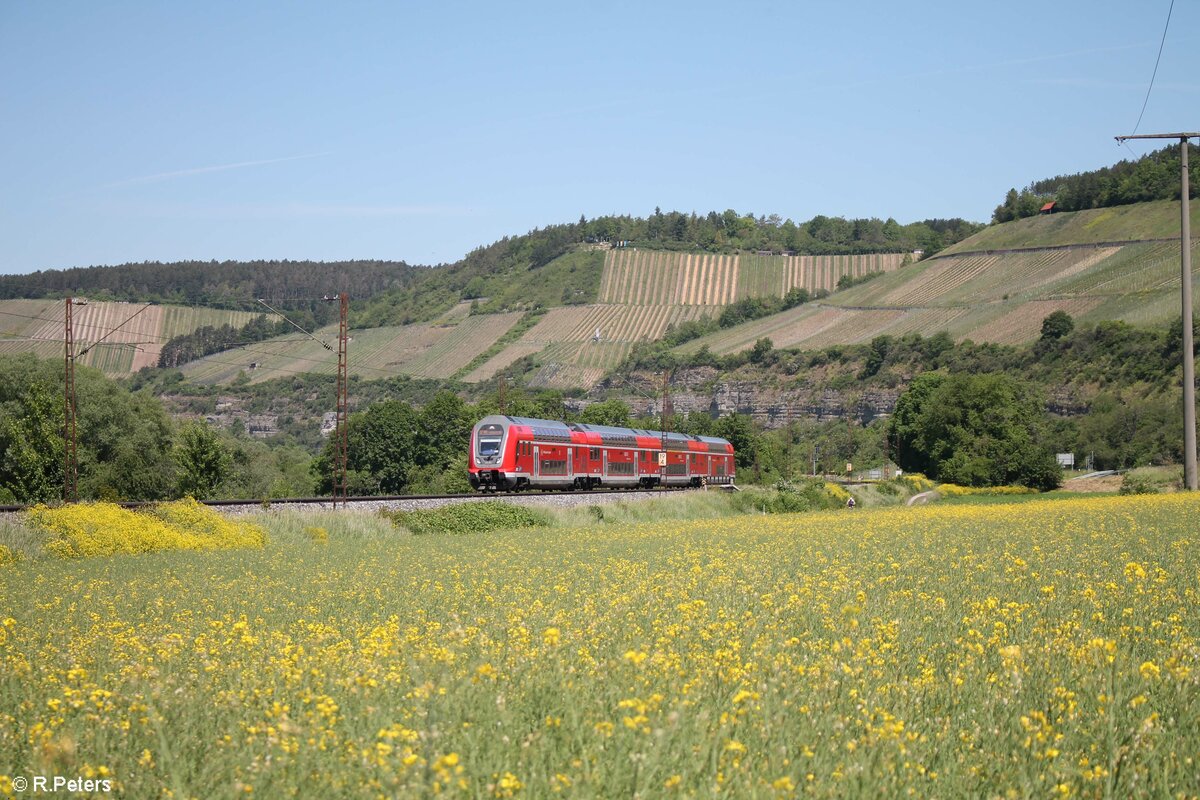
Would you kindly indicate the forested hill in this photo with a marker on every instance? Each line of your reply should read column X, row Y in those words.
column 1154, row 176
column 217, row 284
column 551, row 266
column 394, row 292
column 730, row 232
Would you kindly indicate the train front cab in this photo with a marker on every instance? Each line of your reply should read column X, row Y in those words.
column 492, row 455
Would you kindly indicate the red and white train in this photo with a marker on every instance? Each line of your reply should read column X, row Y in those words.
column 514, row 453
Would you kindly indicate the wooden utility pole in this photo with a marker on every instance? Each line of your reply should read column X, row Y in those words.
column 1185, row 267
column 70, row 436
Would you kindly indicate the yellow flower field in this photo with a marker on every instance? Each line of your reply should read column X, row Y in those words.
column 1042, row 649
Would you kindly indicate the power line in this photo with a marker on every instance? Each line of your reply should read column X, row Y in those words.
column 1155, row 73
column 84, row 351
column 307, row 333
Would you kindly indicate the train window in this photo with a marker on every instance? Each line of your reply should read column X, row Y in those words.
column 594, row 454
column 553, row 466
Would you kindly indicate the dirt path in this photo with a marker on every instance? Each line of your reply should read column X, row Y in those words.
column 921, row 498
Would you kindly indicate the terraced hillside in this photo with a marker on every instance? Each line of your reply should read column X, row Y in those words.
column 1090, row 264
column 642, row 292
column 569, row 349
column 427, row 350
column 983, row 296
column 36, row 326
column 655, row 277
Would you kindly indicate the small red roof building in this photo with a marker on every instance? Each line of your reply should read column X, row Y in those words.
column 1049, row 207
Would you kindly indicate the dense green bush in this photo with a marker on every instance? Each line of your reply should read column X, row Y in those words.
column 469, row 518
column 787, row 498
column 974, row 430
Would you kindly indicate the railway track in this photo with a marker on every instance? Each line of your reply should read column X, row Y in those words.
column 405, row 501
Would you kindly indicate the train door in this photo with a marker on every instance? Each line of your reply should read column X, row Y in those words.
column 604, row 462
column 581, row 460
column 537, row 462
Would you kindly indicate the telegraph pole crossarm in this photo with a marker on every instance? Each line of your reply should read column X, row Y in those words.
column 1185, row 268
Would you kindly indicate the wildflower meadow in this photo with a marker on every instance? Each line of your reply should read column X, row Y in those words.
column 1039, row 649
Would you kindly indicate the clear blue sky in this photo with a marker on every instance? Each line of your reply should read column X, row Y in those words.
column 137, row 131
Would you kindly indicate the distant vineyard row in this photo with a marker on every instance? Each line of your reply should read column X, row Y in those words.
column 133, row 334
column 567, row 340
column 652, row 277
column 424, row 350
column 999, row 298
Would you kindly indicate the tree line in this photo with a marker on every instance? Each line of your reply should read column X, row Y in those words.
column 1154, row 176
column 518, row 271
column 236, row 285
column 129, row 448
column 550, row 266
column 731, row 231
column 209, row 339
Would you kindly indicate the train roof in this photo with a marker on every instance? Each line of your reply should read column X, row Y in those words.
column 555, row 428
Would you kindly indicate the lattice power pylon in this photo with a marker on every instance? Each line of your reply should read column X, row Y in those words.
column 341, row 433
column 70, row 436
column 667, row 412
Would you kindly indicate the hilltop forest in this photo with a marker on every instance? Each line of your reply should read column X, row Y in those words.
column 1154, row 176
column 393, row 292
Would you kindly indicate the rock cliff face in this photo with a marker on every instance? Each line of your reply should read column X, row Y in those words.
column 812, row 397
column 808, row 398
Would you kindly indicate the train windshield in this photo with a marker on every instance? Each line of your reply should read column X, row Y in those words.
column 489, row 447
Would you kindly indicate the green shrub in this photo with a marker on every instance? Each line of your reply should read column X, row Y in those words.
column 789, row 498
column 469, row 518
column 1134, row 484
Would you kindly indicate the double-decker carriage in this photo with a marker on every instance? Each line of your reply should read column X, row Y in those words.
column 514, row 453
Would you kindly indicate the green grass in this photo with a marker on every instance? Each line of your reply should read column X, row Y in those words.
column 1156, row 220
column 574, row 278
